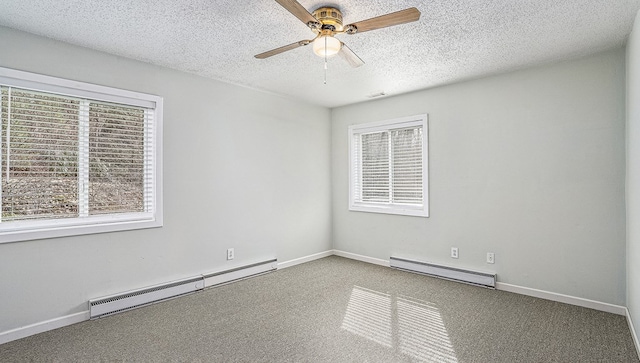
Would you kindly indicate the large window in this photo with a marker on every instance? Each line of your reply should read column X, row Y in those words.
column 388, row 167
column 76, row 158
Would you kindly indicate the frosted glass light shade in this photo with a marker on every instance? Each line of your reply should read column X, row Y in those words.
column 333, row 46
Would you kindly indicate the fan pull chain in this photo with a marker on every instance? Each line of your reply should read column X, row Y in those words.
column 325, row 71
column 325, row 60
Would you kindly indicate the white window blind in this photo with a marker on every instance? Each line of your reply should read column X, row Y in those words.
column 119, row 167
column 388, row 167
column 406, row 145
column 65, row 157
column 75, row 165
column 373, row 168
column 39, row 155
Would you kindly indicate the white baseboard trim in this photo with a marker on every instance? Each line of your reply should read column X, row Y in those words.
column 353, row 256
column 239, row 273
column 304, row 259
column 567, row 299
column 25, row 331
column 634, row 336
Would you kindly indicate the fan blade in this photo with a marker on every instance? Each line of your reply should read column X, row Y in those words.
column 298, row 11
column 347, row 54
column 273, row 52
column 383, row 21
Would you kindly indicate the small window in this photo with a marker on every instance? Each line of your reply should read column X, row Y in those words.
column 76, row 158
column 388, row 167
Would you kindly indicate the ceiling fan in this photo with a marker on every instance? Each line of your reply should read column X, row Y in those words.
column 326, row 22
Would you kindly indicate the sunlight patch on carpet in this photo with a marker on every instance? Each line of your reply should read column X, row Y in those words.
column 410, row 326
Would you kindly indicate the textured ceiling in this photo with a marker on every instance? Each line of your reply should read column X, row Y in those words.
column 453, row 40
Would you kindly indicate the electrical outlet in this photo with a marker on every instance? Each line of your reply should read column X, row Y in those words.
column 491, row 257
column 454, row 252
column 230, row 254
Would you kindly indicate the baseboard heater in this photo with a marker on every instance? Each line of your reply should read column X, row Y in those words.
column 450, row 273
column 242, row 272
column 113, row 304
column 141, row 297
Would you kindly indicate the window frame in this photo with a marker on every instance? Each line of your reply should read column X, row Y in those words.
column 389, row 125
column 16, row 231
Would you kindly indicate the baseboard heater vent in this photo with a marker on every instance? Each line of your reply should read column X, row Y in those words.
column 450, row 273
column 141, row 297
column 223, row 277
column 112, row 304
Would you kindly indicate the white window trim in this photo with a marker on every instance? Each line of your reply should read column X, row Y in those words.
column 408, row 210
column 16, row 231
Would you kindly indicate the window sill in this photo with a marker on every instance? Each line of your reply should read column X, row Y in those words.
column 33, row 230
column 385, row 209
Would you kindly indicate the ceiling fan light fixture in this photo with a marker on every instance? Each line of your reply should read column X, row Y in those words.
column 326, row 45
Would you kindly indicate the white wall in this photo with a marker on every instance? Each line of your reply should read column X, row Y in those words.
column 633, row 174
column 242, row 169
column 529, row 165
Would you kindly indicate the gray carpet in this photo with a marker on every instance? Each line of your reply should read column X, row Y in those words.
column 339, row 310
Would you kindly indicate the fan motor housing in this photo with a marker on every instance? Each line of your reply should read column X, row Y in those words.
column 329, row 17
